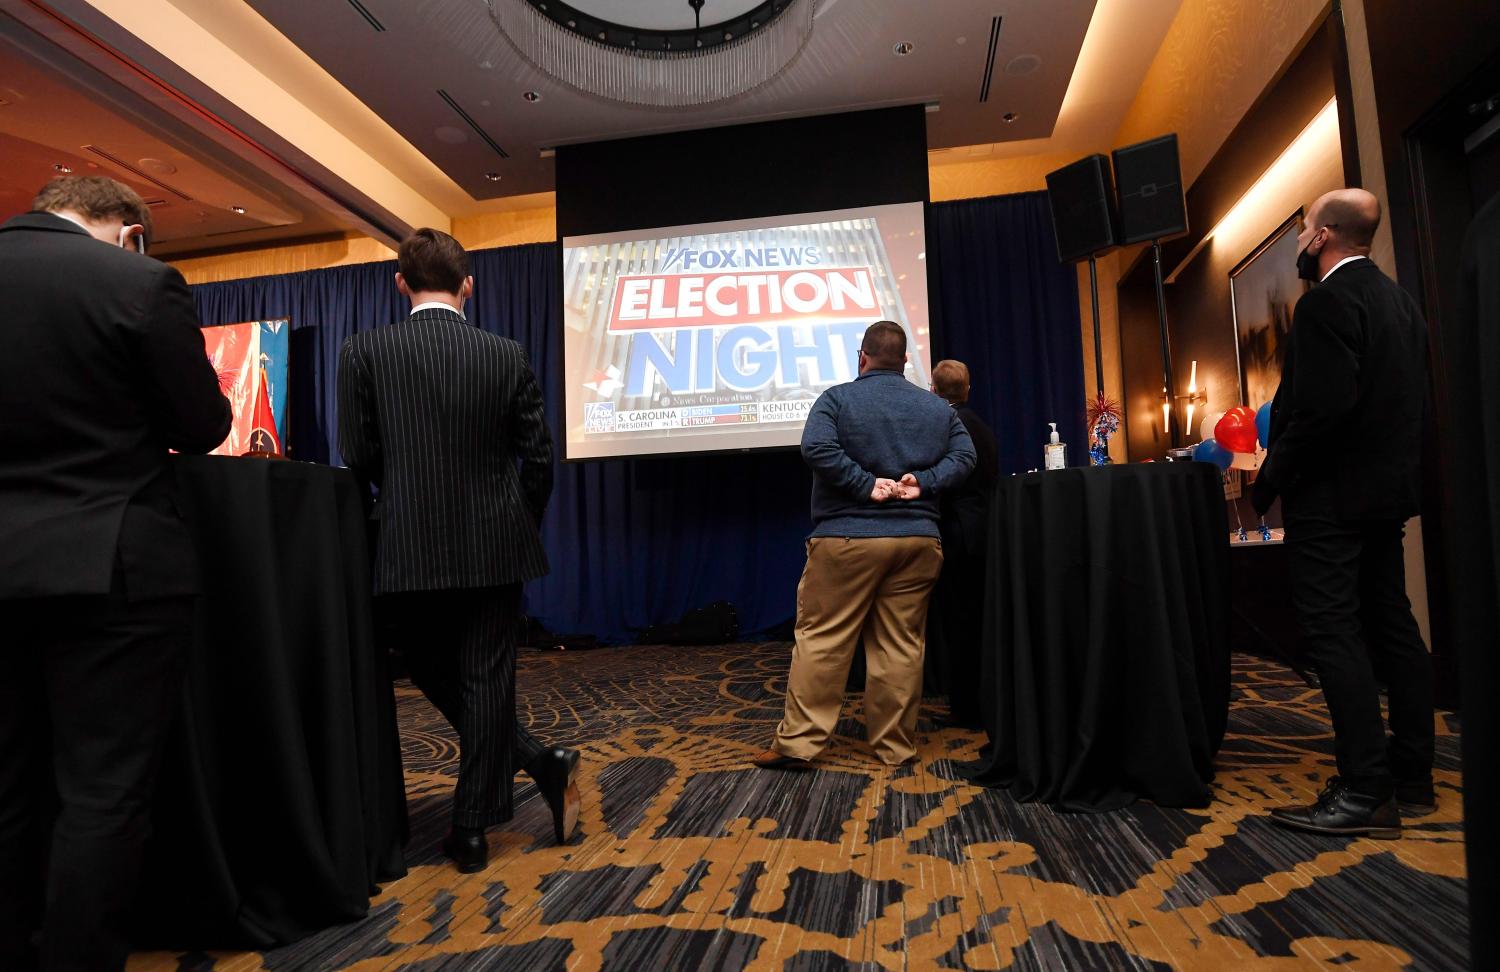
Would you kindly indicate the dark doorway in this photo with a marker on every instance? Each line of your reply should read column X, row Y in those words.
column 1452, row 157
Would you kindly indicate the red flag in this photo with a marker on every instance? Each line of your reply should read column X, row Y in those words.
column 263, row 438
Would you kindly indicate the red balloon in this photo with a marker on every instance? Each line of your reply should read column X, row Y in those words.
column 1236, row 430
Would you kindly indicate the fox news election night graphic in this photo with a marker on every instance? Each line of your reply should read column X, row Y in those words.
column 721, row 336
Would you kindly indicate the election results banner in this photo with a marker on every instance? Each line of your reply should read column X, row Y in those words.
column 720, row 336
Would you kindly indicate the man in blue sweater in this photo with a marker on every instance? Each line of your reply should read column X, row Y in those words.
column 882, row 450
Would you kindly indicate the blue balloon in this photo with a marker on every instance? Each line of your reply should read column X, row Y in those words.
column 1263, row 424
column 1209, row 450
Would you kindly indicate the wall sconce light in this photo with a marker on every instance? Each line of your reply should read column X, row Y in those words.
column 1195, row 398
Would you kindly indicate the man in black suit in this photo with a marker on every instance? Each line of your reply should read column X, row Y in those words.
column 103, row 371
column 1345, row 452
column 956, row 617
column 446, row 421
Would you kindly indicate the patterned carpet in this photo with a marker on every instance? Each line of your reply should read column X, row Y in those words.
column 689, row 859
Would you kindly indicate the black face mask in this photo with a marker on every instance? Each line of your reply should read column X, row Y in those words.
column 1307, row 265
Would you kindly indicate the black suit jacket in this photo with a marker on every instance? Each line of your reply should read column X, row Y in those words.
column 446, row 420
column 1347, row 420
column 965, row 511
column 102, row 370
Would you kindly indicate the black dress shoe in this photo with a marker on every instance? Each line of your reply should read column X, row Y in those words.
column 1343, row 812
column 467, row 848
column 1416, row 798
column 555, row 772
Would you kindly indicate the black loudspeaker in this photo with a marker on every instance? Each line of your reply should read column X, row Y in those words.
column 1082, row 198
column 1149, row 178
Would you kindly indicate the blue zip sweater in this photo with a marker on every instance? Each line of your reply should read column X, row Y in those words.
column 881, row 425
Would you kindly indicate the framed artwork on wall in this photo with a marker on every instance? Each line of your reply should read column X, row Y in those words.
column 1263, row 289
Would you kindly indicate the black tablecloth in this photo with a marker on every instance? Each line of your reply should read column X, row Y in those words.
column 1106, row 651
column 281, row 801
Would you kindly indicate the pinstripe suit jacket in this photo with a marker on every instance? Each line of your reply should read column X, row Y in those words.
column 447, row 421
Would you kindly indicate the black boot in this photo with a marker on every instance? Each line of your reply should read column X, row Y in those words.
column 1416, row 798
column 555, row 772
column 1343, row 812
column 468, row 849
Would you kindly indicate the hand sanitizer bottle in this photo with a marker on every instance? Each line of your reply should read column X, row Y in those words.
column 1055, row 455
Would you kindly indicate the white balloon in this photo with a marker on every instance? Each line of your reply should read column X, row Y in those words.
column 1210, row 419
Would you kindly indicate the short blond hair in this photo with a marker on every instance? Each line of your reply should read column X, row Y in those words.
column 950, row 380
column 94, row 198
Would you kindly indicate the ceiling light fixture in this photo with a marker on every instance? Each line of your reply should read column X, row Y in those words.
column 1022, row 65
column 532, row 96
column 904, row 48
column 237, row 209
column 63, row 168
column 492, row 176
column 1009, row 117
column 646, row 65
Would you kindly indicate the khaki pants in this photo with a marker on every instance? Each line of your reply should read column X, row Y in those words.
column 877, row 587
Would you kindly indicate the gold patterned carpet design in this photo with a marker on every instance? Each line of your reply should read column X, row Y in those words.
column 688, row 858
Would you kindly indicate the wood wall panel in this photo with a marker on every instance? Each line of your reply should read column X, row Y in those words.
column 1218, row 59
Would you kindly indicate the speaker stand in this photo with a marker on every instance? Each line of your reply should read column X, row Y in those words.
column 1098, row 353
column 1173, row 432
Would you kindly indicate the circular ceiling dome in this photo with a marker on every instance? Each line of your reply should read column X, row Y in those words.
column 662, row 14
column 657, row 53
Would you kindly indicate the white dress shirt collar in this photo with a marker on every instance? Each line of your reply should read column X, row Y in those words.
column 72, row 219
column 1334, row 269
column 438, row 305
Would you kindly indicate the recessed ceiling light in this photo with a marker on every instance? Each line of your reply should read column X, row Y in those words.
column 237, row 209
column 1009, row 117
column 1022, row 65
column 904, row 48
column 492, row 176
column 63, row 168
column 532, row 96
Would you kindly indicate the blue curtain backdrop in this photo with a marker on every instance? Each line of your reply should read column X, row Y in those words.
column 1010, row 312
column 639, row 542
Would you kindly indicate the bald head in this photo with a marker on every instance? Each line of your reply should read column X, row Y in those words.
column 1352, row 215
column 1339, row 224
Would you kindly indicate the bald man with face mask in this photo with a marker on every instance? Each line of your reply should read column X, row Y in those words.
column 1344, row 457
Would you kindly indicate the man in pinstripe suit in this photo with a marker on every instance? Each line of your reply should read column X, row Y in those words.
column 446, row 421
